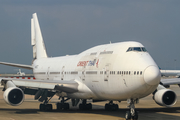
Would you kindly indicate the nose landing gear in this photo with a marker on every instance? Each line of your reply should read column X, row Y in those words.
column 132, row 113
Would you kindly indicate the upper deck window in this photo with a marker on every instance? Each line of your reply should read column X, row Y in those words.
column 137, row 49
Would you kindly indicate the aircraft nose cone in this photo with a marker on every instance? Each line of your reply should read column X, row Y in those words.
column 152, row 75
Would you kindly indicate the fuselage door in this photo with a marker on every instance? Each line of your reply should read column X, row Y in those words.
column 106, row 73
column 62, row 73
column 48, row 73
column 83, row 74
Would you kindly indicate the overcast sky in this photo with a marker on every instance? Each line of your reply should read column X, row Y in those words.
column 72, row 26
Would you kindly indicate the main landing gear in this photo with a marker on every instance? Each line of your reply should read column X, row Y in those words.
column 85, row 106
column 132, row 113
column 111, row 106
column 62, row 105
column 45, row 106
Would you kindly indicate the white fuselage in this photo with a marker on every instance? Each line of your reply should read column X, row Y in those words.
column 110, row 72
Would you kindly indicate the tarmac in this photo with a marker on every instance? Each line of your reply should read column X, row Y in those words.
column 147, row 108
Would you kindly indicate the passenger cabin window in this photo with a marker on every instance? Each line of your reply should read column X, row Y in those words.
column 137, row 49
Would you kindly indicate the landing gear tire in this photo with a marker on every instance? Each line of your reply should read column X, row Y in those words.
column 135, row 117
column 128, row 115
column 111, row 107
column 85, row 106
column 59, row 106
column 45, row 107
column 64, row 106
column 41, row 107
column 81, row 106
column 106, row 106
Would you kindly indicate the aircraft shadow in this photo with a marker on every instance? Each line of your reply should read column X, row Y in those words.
column 144, row 113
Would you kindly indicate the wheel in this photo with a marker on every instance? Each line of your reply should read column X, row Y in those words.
column 107, row 106
column 111, row 107
column 89, row 106
column 42, row 107
column 66, row 106
column 81, row 106
column 59, row 106
column 114, row 107
column 135, row 117
column 85, row 106
column 48, row 107
column 128, row 115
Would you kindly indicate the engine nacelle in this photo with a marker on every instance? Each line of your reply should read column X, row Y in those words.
column 165, row 97
column 13, row 96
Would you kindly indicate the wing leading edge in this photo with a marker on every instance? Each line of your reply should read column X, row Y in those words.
column 70, row 86
column 172, row 81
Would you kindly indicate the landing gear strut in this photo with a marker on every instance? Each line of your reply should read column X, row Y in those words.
column 111, row 106
column 62, row 105
column 132, row 113
column 85, row 106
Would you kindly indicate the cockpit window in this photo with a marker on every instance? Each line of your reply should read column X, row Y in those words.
column 144, row 49
column 137, row 49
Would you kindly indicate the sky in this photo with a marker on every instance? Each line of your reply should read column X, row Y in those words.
column 72, row 26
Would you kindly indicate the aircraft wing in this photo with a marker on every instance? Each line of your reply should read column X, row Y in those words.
column 17, row 65
column 70, row 86
column 171, row 81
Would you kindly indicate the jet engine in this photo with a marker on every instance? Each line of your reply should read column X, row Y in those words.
column 165, row 97
column 13, row 96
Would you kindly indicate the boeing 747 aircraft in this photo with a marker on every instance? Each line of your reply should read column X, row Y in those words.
column 121, row 71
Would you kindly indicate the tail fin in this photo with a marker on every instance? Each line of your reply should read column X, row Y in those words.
column 39, row 50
